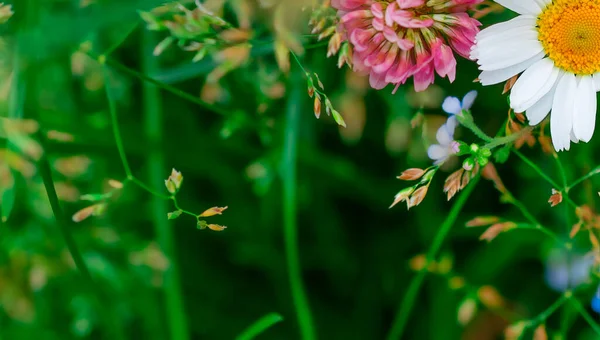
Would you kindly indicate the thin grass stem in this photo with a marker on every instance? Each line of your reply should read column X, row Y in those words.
column 260, row 326
column 586, row 316
column 580, row 180
column 290, row 224
column 169, row 88
column 406, row 304
column 112, row 103
column 111, row 318
column 153, row 123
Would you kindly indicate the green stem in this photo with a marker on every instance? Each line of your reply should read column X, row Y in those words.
column 550, row 310
column 410, row 297
column 112, row 104
column 544, row 176
column 290, row 224
column 151, row 191
column 586, row 316
column 578, row 181
column 522, row 208
column 176, row 204
column 563, row 176
column 172, row 89
column 562, row 172
column 153, row 123
column 466, row 119
column 499, row 141
column 298, row 62
column 536, row 169
column 543, row 230
column 46, row 173
column 122, row 39
column 260, row 326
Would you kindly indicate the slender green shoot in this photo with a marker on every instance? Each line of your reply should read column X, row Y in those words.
column 260, row 326
column 290, row 224
column 580, row 180
column 407, row 303
column 103, row 59
column 63, row 223
column 153, row 123
column 586, row 316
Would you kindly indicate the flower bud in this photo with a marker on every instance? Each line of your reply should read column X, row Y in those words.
column 213, row 211
column 173, row 183
column 468, row 164
column 466, row 311
column 216, row 227
column 412, row 174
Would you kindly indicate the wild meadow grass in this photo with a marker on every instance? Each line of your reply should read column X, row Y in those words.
column 215, row 170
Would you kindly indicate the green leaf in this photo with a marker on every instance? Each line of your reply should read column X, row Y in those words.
column 260, row 326
column 501, row 156
column 173, row 215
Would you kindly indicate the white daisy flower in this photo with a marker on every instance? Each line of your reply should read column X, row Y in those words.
column 557, row 45
column 446, row 146
column 454, row 106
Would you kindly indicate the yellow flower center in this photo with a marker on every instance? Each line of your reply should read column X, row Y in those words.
column 569, row 30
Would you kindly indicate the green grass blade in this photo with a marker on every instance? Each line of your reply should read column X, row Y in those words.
column 260, row 326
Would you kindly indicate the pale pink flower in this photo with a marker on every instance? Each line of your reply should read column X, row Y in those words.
column 394, row 40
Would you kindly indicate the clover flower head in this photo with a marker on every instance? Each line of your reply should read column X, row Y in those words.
column 394, row 40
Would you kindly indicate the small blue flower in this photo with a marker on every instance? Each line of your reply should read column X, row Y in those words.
column 454, row 106
column 567, row 271
column 446, row 146
column 596, row 301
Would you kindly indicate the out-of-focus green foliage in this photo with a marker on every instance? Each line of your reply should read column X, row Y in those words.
column 222, row 113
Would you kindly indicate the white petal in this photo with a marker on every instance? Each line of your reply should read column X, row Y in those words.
column 521, row 6
column 437, row 152
column 596, row 77
column 468, row 100
column 520, row 24
column 520, row 21
column 584, row 117
column 572, row 136
column 509, row 52
column 533, row 84
column 498, row 76
column 443, row 136
column 543, row 3
column 561, row 118
column 537, row 112
column 451, row 124
column 451, row 105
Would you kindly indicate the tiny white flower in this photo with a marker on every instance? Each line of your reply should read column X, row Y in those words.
column 556, row 44
column 446, row 146
column 454, row 106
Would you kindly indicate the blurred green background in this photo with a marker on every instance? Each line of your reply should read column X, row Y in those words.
column 166, row 279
